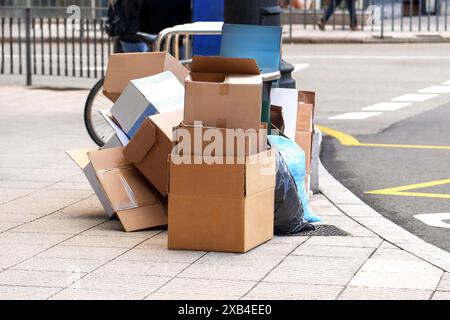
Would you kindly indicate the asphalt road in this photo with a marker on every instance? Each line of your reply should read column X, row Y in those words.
column 348, row 78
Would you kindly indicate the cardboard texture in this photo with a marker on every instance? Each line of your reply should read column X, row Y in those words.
column 217, row 207
column 149, row 149
column 146, row 97
column 223, row 92
column 81, row 159
column 124, row 67
column 218, row 142
column 305, row 124
column 128, row 193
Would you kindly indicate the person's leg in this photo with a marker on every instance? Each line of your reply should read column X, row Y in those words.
column 133, row 46
column 352, row 11
column 330, row 10
column 328, row 13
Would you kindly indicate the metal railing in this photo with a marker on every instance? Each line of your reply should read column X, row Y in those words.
column 379, row 16
column 31, row 44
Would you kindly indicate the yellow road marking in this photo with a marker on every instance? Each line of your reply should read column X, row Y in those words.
column 348, row 140
column 404, row 190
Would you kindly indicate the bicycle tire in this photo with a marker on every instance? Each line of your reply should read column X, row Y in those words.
column 88, row 112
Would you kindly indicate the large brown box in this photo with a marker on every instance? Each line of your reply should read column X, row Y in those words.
column 223, row 92
column 222, row 207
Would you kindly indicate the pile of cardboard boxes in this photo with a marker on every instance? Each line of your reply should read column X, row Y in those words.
column 176, row 161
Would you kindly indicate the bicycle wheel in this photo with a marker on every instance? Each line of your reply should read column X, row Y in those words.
column 98, row 129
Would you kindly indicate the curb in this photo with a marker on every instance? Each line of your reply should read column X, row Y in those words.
column 360, row 212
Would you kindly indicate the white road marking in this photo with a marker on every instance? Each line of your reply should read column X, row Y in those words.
column 436, row 89
column 414, row 97
column 387, row 106
column 434, row 219
column 355, row 115
column 300, row 66
column 446, row 83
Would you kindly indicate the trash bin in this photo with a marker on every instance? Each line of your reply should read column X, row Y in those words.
column 207, row 10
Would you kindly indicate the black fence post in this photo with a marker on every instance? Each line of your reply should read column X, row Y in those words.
column 28, row 45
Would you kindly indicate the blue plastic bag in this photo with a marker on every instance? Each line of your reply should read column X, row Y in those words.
column 294, row 157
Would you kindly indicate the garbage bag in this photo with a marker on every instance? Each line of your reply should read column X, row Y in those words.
column 294, row 157
column 288, row 208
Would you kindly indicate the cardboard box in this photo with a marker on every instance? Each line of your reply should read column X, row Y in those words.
column 128, row 194
column 149, row 149
column 224, row 92
column 228, row 207
column 218, row 142
column 305, row 113
column 81, row 159
column 146, row 97
column 124, row 67
column 305, row 124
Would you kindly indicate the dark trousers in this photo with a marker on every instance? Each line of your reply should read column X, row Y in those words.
column 351, row 8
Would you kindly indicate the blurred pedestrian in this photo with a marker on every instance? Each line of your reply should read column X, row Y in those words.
column 124, row 23
column 330, row 10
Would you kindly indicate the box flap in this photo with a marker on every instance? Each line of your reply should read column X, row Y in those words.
column 224, row 65
column 124, row 67
column 141, row 143
column 143, row 217
column 80, row 156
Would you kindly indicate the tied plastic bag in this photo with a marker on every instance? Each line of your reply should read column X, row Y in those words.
column 294, row 157
column 288, row 208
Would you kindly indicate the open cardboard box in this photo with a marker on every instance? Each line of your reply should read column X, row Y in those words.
column 221, row 207
column 124, row 67
column 121, row 188
column 146, row 97
column 223, row 92
column 150, row 147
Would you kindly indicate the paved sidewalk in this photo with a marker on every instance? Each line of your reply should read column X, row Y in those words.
column 57, row 243
column 314, row 35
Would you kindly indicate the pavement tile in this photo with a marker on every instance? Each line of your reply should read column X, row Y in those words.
column 23, row 250
column 396, row 280
column 359, row 242
column 11, row 184
column 11, row 194
column 293, row 291
column 4, row 226
column 327, row 211
column 333, row 251
column 38, row 278
column 83, row 294
column 315, row 270
column 102, row 241
column 364, row 293
column 80, row 252
column 161, row 255
column 11, row 260
column 182, row 288
column 444, row 285
column 133, row 284
column 19, row 238
column 60, row 264
column 146, row 268
column 71, row 185
column 33, row 204
column 358, row 210
column 17, row 217
column 43, row 174
column 441, row 295
column 377, row 264
column 65, row 193
column 115, row 228
column 25, row 293
column 394, row 254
